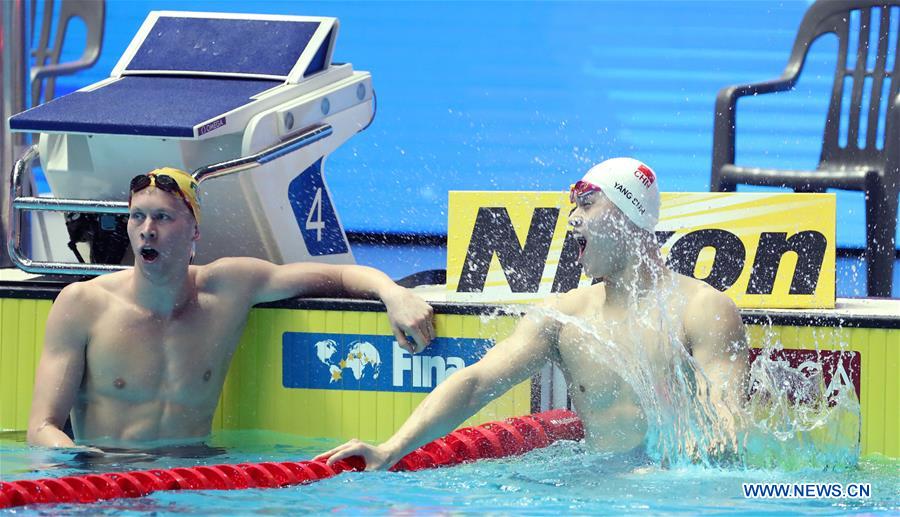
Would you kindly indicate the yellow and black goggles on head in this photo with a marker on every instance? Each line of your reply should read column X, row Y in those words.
column 172, row 181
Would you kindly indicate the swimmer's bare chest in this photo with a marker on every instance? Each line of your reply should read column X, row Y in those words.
column 595, row 362
column 603, row 361
column 135, row 357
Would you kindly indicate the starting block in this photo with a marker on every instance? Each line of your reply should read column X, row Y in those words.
column 252, row 103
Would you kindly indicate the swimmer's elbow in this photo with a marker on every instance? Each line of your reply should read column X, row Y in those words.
column 39, row 431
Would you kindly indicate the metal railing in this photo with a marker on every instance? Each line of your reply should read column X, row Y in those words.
column 13, row 88
column 19, row 203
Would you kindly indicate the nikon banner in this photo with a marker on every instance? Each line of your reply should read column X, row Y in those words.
column 764, row 250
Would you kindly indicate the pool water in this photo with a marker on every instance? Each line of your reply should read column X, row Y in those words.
column 563, row 478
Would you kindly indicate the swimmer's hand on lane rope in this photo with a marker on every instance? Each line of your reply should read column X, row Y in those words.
column 410, row 316
column 377, row 457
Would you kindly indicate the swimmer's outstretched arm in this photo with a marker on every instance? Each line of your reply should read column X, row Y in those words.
column 408, row 314
column 61, row 368
column 460, row 396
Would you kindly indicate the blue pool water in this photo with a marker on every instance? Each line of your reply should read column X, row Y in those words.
column 562, row 479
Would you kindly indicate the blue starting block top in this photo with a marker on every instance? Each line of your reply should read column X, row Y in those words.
column 139, row 105
column 183, row 72
column 216, row 46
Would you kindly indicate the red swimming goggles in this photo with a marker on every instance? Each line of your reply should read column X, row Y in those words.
column 581, row 188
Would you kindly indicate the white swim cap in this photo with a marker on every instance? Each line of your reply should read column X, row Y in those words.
column 631, row 186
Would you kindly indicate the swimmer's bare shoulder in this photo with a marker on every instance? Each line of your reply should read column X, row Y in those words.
column 84, row 301
column 717, row 340
column 77, row 299
column 706, row 305
column 220, row 272
column 230, row 274
column 79, row 306
column 577, row 301
column 225, row 279
column 249, row 279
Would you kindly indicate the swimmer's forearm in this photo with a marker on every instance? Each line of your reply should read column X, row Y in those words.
column 366, row 282
column 49, row 435
column 451, row 403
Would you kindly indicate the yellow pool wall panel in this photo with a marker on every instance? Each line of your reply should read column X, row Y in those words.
column 22, row 324
column 254, row 397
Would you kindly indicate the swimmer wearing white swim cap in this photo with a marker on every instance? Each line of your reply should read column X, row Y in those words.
column 616, row 210
column 630, row 184
column 630, row 345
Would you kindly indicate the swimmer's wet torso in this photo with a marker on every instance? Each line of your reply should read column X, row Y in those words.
column 607, row 404
column 609, row 351
column 150, row 376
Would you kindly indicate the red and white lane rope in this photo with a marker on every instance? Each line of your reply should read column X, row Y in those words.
column 509, row 437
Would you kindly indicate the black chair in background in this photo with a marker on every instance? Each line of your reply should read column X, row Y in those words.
column 873, row 168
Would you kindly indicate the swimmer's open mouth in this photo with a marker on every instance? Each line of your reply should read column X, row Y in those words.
column 582, row 244
column 149, row 254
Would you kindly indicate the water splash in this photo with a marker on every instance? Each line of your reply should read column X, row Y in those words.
column 683, row 426
column 788, row 422
column 798, row 422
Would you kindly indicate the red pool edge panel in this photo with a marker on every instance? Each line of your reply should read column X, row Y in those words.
column 510, row 437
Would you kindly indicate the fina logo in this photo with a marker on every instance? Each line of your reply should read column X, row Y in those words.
column 355, row 362
column 423, row 368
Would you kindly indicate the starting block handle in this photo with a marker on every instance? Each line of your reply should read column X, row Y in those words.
column 308, row 137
